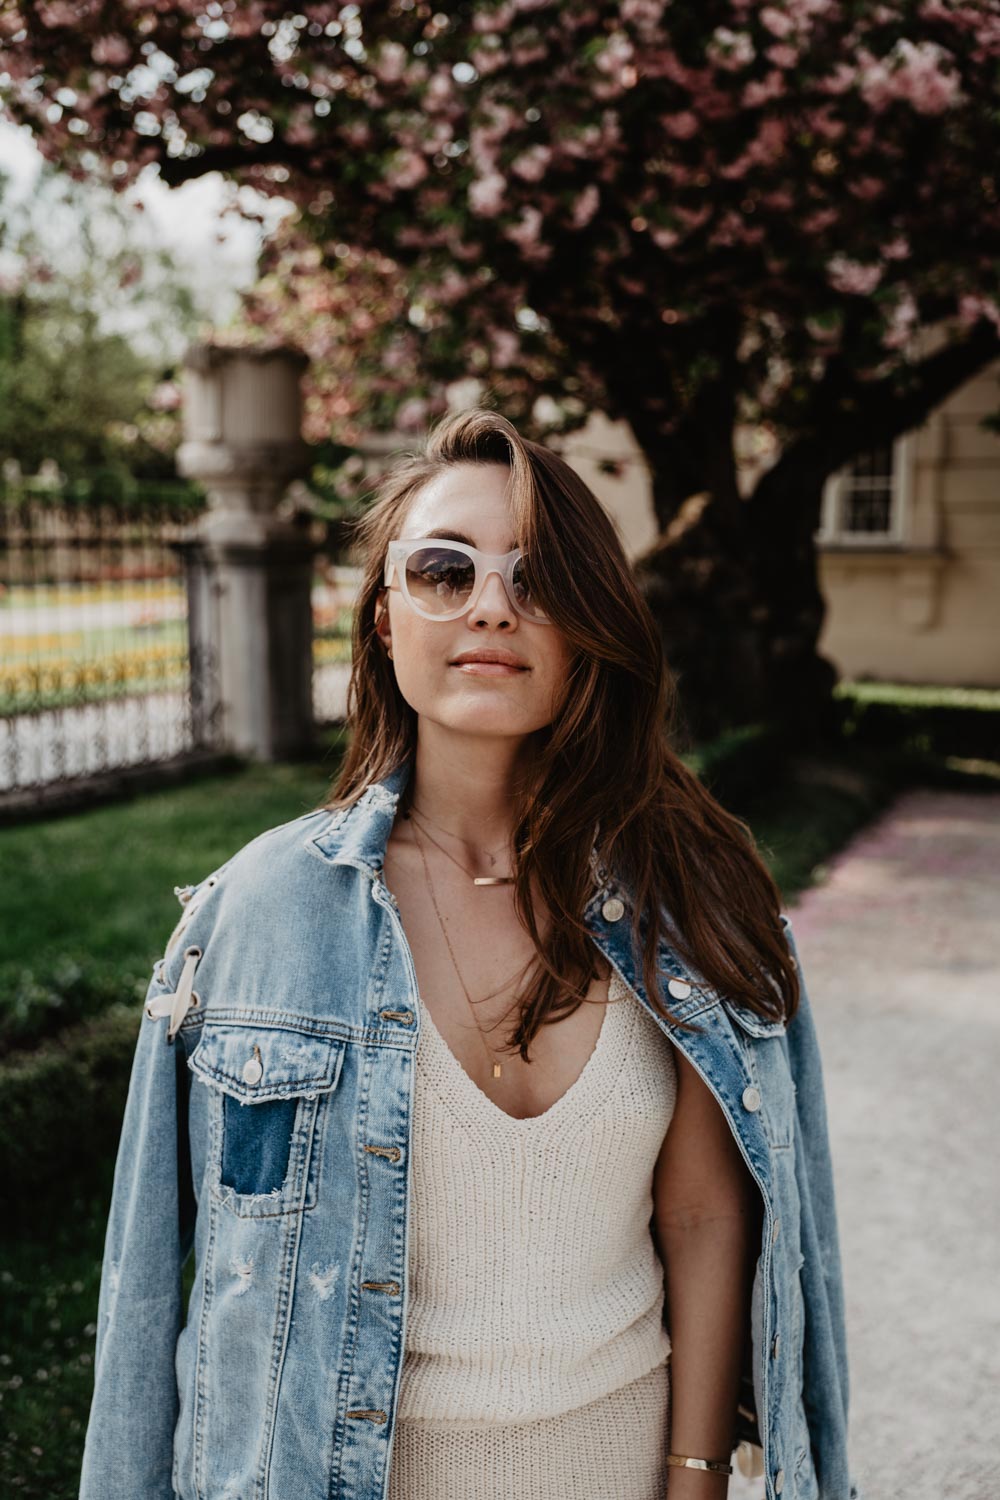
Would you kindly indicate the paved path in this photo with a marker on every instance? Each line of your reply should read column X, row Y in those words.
column 900, row 949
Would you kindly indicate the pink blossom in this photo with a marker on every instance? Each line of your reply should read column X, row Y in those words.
column 406, row 170
column 682, row 127
column 526, row 53
column 486, row 195
column 389, row 63
column 971, row 308
column 487, row 60
column 782, row 55
column 821, row 122
column 452, row 288
column 497, row 20
column 301, row 132
column 866, row 188
column 111, row 51
column 818, row 222
column 897, row 248
column 645, row 14
column 54, row 13
column 899, row 329
column 412, row 413
column 531, row 164
column 760, row 91
column 730, row 50
column 919, row 74
column 778, row 22
column 839, row 81
column 619, row 50
column 440, row 91
column 506, row 347
column 527, row 231
column 846, row 275
column 165, row 397
column 586, row 206
column 356, row 133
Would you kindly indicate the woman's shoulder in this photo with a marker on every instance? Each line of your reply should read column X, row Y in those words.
column 268, row 870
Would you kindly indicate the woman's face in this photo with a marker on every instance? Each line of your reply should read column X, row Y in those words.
column 471, row 499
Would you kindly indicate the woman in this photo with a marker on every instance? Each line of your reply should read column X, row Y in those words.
column 523, row 949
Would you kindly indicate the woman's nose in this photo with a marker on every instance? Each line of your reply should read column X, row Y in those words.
column 493, row 596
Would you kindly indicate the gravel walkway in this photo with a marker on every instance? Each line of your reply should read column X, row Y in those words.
column 900, row 950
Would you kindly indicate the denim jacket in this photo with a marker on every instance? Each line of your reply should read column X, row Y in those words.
column 267, row 1127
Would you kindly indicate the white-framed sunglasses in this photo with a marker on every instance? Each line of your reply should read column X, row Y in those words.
column 442, row 579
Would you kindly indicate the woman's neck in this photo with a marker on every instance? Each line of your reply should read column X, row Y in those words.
column 468, row 790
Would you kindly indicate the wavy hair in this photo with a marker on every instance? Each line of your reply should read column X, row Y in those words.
column 604, row 774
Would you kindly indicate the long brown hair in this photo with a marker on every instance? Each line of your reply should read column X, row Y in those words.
column 603, row 769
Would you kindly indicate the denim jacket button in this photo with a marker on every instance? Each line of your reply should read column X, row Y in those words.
column 775, row 1346
column 613, row 909
column 252, row 1070
column 751, row 1097
column 679, row 988
column 779, row 1481
column 774, row 1231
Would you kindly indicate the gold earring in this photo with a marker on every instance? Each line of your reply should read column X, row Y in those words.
column 389, row 650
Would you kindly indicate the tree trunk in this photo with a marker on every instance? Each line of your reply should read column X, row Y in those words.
column 784, row 513
column 697, row 582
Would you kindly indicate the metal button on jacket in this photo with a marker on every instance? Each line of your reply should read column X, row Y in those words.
column 612, row 909
column 779, row 1481
column 775, row 1346
column 774, row 1231
column 679, row 988
column 751, row 1097
column 252, row 1070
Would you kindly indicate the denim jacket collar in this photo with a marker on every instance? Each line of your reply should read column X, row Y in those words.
column 357, row 835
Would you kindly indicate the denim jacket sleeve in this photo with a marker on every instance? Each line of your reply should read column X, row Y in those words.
column 825, row 1367
column 128, row 1449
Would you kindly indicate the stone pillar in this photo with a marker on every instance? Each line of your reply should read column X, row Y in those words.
column 249, row 569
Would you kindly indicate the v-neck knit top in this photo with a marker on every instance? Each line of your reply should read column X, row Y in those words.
column 535, row 1286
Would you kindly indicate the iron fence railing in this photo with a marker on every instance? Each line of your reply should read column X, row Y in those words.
column 105, row 664
column 95, row 662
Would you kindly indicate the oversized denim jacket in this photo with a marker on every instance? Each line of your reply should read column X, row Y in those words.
column 267, row 1126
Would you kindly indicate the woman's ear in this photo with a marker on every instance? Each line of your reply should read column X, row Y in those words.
column 382, row 616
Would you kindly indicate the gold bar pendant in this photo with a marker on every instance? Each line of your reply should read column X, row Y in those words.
column 496, row 1070
column 493, row 880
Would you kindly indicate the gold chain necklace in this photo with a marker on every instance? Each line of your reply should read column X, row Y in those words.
column 497, row 1069
column 477, row 879
column 490, row 853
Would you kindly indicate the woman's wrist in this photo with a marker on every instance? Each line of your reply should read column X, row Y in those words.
column 686, row 1483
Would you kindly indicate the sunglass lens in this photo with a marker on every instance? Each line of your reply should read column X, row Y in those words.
column 523, row 591
column 439, row 579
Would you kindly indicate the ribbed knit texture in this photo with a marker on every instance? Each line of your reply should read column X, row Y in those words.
column 534, row 1333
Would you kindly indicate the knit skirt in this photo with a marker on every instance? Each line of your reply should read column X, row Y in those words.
column 617, row 1445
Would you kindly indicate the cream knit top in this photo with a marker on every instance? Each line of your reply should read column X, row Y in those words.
column 535, row 1286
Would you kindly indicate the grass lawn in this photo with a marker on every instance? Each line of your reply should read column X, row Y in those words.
column 100, row 885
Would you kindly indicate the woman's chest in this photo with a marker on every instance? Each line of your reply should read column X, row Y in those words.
column 472, row 973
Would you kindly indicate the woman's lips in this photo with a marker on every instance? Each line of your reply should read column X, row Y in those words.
column 488, row 668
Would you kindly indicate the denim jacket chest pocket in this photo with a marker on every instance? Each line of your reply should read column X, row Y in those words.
column 764, row 1049
column 270, row 1088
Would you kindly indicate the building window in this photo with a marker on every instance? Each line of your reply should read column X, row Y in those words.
column 864, row 503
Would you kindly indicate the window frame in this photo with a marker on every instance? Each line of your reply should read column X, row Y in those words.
column 832, row 533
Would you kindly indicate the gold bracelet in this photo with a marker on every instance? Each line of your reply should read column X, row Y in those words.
column 718, row 1466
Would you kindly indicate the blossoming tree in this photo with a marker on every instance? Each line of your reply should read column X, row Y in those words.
column 689, row 217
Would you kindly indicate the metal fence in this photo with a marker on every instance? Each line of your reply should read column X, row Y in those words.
column 335, row 586
column 96, row 669
column 101, row 668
